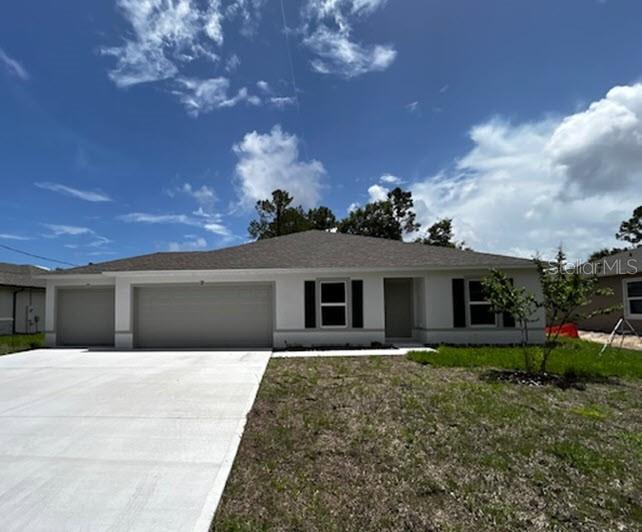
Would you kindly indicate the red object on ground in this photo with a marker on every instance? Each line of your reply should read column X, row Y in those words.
column 567, row 329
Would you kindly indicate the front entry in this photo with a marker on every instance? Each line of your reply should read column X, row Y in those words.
column 398, row 307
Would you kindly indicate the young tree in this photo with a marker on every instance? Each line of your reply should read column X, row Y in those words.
column 631, row 229
column 566, row 291
column 516, row 301
column 441, row 234
column 276, row 217
column 390, row 218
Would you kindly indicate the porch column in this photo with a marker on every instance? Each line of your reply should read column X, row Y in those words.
column 123, row 323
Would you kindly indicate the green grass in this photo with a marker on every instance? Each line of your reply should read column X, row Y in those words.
column 359, row 444
column 20, row 342
column 571, row 356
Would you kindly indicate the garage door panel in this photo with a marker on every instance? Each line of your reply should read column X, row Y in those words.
column 85, row 316
column 203, row 316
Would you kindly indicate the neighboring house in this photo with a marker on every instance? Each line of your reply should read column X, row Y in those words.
column 305, row 289
column 22, row 299
column 622, row 273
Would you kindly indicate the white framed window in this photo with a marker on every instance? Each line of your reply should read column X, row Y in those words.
column 480, row 311
column 633, row 297
column 333, row 303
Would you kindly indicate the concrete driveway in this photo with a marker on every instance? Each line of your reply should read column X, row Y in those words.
column 120, row 440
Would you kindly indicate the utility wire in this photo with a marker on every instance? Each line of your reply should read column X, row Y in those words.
column 36, row 256
column 295, row 88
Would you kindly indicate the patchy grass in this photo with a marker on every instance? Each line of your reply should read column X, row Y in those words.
column 20, row 342
column 352, row 444
column 577, row 357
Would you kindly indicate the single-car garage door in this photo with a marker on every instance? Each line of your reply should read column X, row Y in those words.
column 238, row 315
column 85, row 316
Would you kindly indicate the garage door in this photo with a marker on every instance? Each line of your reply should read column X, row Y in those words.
column 203, row 316
column 85, row 316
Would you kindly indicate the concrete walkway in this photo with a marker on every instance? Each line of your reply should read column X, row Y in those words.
column 110, row 440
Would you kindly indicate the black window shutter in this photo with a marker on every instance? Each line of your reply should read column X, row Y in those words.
column 310, row 305
column 459, row 303
column 357, row 304
column 509, row 320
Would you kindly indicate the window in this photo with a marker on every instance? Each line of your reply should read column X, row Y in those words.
column 333, row 304
column 633, row 295
column 480, row 311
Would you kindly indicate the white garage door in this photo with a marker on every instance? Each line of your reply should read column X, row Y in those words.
column 85, row 316
column 203, row 316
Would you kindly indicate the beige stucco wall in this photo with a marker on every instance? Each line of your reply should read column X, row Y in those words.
column 30, row 310
column 606, row 322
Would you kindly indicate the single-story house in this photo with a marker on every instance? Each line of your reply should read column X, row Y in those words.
column 22, row 299
column 622, row 273
column 306, row 289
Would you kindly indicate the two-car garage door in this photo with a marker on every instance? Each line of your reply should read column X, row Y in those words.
column 203, row 316
column 171, row 316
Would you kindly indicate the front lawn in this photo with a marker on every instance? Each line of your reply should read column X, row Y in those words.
column 20, row 342
column 384, row 443
column 571, row 356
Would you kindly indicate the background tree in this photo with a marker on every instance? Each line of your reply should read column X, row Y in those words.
column 276, row 217
column 602, row 253
column 565, row 292
column 516, row 301
column 390, row 218
column 631, row 229
column 321, row 218
column 441, row 234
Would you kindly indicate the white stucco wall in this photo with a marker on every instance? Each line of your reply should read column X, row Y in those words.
column 29, row 312
column 432, row 304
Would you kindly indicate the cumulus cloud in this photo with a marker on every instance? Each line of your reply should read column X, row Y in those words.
column 13, row 66
column 328, row 33
column 204, row 95
column 270, row 161
column 378, row 193
column 86, row 195
column 526, row 188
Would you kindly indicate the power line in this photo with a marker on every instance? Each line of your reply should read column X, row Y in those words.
column 295, row 88
column 36, row 256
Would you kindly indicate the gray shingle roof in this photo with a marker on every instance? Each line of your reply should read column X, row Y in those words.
column 308, row 250
column 20, row 275
column 627, row 262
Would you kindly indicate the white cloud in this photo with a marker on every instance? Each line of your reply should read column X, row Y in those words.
column 413, row 107
column 7, row 236
column 71, row 230
column 232, row 63
column 217, row 228
column 204, row 95
column 147, row 218
column 192, row 243
column 13, row 66
column 270, row 161
column 390, row 179
column 204, row 195
column 526, row 188
column 282, row 101
column 378, row 193
column 328, row 33
column 87, row 195
column 264, row 86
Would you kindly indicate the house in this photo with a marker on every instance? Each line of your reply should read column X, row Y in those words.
column 305, row 289
column 622, row 273
column 22, row 299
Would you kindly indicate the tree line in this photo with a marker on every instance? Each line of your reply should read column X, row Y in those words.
column 630, row 231
column 391, row 218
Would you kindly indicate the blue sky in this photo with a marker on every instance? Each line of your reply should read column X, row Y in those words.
column 131, row 127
